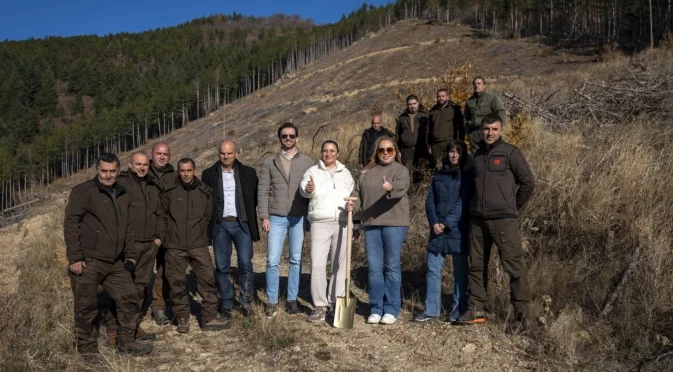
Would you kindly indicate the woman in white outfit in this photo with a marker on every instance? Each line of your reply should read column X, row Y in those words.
column 326, row 184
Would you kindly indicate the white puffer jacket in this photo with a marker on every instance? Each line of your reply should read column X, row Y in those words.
column 326, row 202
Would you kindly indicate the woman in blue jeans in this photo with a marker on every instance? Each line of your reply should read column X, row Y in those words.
column 384, row 206
column 447, row 209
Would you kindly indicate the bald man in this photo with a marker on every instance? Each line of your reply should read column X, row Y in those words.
column 234, row 221
column 145, row 214
column 164, row 175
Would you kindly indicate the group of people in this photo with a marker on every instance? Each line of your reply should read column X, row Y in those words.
column 118, row 224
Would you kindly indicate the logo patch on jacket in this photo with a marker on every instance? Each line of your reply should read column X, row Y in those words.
column 496, row 161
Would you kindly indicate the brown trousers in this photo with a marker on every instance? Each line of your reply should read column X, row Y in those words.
column 147, row 253
column 505, row 234
column 202, row 265
column 116, row 281
column 160, row 289
column 437, row 155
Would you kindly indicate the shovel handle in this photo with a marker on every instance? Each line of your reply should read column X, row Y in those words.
column 349, row 243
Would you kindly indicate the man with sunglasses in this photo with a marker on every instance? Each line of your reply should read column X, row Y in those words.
column 282, row 210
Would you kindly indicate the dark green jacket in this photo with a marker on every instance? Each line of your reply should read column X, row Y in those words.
column 188, row 210
column 97, row 223
column 445, row 124
column 478, row 107
column 503, row 181
column 162, row 177
column 145, row 211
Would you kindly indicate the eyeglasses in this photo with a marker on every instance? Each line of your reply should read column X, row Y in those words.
column 286, row 136
column 389, row 150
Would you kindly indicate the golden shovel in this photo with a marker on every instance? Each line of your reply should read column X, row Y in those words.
column 344, row 313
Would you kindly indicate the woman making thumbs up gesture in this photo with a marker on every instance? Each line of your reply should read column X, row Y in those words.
column 384, row 206
column 325, row 185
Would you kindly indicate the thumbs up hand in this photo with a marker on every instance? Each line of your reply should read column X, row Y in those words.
column 387, row 185
column 310, row 186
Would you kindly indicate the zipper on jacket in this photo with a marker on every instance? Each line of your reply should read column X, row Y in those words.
column 483, row 186
column 145, row 216
column 187, row 223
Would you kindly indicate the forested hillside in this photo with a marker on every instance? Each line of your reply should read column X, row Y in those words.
column 65, row 100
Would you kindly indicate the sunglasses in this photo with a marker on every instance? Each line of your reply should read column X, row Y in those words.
column 286, row 136
column 389, row 150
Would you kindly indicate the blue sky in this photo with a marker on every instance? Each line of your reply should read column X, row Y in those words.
column 21, row 19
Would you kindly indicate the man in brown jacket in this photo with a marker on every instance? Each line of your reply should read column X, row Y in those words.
column 503, row 184
column 100, row 249
column 445, row 124
column 187, row 207
column 411, row 132
column 162, row 171
column 145, row 213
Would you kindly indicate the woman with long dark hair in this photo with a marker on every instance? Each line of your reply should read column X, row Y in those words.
column 447, row 210
column 384, row 205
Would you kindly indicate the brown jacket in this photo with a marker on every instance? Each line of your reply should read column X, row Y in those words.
column 408, row 133
column 145, row 211
column 97, row 223
column 162, row 177
column 503, row 181
column 187, row 210
column 445, row 124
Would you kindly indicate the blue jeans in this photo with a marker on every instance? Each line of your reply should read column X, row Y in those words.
column 433, row 298
column 384, row 247
column 280, row 226
column 224, row 234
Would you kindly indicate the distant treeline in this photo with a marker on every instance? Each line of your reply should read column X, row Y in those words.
column 66, row 100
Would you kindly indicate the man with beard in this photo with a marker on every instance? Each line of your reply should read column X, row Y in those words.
column 477, row 107
column 503, row 182
column 445, row 124
column 162, row 172
column 410, row 130
column 187, row 206
column 101, row 251
column 369, row 137
column 283, row 211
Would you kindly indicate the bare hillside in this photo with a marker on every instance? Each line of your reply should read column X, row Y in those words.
column 332, row 99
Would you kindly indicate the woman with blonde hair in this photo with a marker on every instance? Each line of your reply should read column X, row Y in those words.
column 384, row 213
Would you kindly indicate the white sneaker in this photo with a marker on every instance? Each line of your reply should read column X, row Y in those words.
column 388, row 319
column 374, row 319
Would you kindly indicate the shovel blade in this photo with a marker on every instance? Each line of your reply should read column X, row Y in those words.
column 344, row 313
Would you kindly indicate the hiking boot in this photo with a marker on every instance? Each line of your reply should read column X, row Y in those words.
column 516, row 326
column 111, row 338
column 160, row 317
column 471, row 317
column 135, row 349
column 423, row 317
column 293, row 308
column 143, row 335
column 318, row 315
column 183, row 325
column 216, row 325
column 271, row 311
column 246, row 311
column 225, row 314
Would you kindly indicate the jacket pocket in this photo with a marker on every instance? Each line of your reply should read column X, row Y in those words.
column 95, row 240
column 497, row 163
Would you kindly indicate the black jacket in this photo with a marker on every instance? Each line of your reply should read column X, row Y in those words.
column 445, row 124
column 145, row 211
column 410, row 134
column 369, row 137
column 246, row 177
